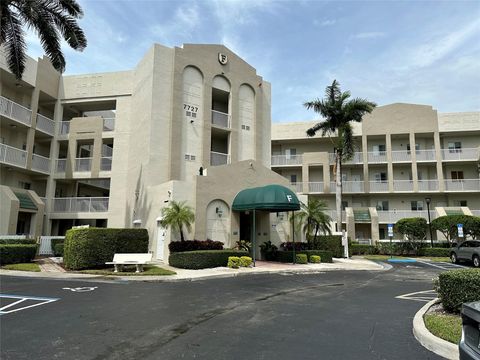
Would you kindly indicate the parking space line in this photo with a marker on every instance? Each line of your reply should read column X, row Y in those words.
column 21, row 299
column 446, row 266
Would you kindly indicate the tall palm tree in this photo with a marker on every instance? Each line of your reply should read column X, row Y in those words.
column 314, row 219
column 338, row 112
column 177, row 216
column 50, row 19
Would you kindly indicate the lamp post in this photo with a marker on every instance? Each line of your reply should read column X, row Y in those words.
column 427, row 200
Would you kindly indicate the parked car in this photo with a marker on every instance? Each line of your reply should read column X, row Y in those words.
column 468, row 250
column 469, row 346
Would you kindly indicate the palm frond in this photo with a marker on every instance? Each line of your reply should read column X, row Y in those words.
column 13, row 37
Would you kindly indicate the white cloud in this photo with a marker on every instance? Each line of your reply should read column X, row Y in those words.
column 327, row 22
column 369, row 35
column 181, row 26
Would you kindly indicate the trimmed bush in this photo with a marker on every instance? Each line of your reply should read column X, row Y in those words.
column 17, row 253
column 357, row 249
column 332, row 243
column 18, row 241
column 233, row 262
column 58, row 249
column 93, row 247
column 457, row 287
column 203, row 259
column 434, row 252
column 301, row 258
column 56, row 241
column 245, row 261
column 194, row 245
column 412, row 228
column 315, row 259
column 288, row 246
column 287, row 256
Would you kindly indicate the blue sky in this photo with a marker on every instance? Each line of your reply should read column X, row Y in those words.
column 385, row 51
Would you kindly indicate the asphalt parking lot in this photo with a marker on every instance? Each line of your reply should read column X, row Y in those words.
column 331, row 315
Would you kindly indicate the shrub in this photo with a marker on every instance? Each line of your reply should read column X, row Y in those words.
column 447, row 225
column 314, row 259
column 233, row 262
column 18, row 241
column 434, row 252
column 17, row 253
column 203, row 259
column 288, row 246
column 93, row 247
column 287, row 256
column 412, row 228
column 401, row 248
column 301, row 258
column 268, row 251
column 193, row 245
column 245, row 261
column 332, row 243
column 58, row 249
column 54, row 242
column 457, row 287
column 357, row 249
column 243, row 245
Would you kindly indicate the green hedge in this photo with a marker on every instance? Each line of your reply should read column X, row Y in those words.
column 203, row 259
column 457, row 287
column 17, row 253
column 315, row 259
column 357, row 249
column 287, row 256
column 332, row 243
column 58, row 249
column 18, row 241
column 93, row 247
column 434, row 252
column 301, row 258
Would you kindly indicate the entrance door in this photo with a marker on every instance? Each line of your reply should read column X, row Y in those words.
column 246, row 226
column 160, row 241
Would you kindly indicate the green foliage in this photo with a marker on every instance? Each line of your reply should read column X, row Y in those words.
column 245, row 261
column 244, row 245
column 457, row 287
column 203, row 259
column 17, row 253
column 447, row 225
column 412, row 228
column 332, row 243
column 313, row 218
column 268, row 251
column 93, row 247
column 58, row 249
column 315, row 259
column 23, row 267
column 445, row 326
column 233, row 262
column 434, row 252
column 130, row 270
column 178, row 215
column 357, row 249
column 18, row 241
column 287, row 256
column 301, row 258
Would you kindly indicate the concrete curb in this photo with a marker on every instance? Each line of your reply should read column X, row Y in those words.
column 428, row 340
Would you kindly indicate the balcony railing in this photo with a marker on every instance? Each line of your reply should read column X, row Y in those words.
column 80, row 204
column 403, row 185
column 108, row 124
column 378, row 186
column 61, row 165
column 64, row 128
column 83, row 164
column 297, row 187
column 401, row 156
column 475, row 212
column 427, row 185
column 220, row 119
column 392, row 216
column 357, row 158
column 460, row 154
column 462, row 185
column 13, row 156
column 315, row 187
column 45, row 124
column 217, row 158
column 15, row 111
column 425, row 155
column 377, row 156
column 281, row 160
column 106, row 164
column 41, row 163
column 351, row 187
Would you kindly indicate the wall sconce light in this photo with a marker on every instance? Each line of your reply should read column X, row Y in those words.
column 219, row 212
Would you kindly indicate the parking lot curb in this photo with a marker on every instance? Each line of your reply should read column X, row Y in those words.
column 428, row 340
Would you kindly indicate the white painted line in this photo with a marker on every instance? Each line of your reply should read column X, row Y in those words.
column 12, row 304
column 41, row 301
column 423, row 296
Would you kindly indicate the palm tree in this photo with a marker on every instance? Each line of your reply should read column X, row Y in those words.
column 338, row 112
column 178, row 215
column 50, row 19
column 314, row 219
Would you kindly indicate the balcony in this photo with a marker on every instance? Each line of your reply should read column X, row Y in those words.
column 61, row 166
column 80, row 204
column 393, row 216
column 316, row 187
column 45, row 124
column 297, row 187
column 427, row 185
column 64, row 128
column 351, row 187
column 106, row 164
column 41, row 163
column 425, row 155
column 460, row 154
column 13, row 156
column 217, row 158
column 378, row 186
column 357, row 158
column 377, row 157
column 462, row 185
column 283, row 160
column 83, row 164
column 402, row 185
column 220, row 119
column 108, row 124
column 401, row 156
column 14, row 111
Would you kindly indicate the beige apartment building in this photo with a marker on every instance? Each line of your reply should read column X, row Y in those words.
column 189, row 123
column 407, row 155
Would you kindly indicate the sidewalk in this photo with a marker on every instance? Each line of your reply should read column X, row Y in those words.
column 262, row 267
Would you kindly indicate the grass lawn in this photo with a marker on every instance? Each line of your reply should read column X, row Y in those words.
column 447, row 327
column 130, row 271
column 22, row 267
column 386, row 257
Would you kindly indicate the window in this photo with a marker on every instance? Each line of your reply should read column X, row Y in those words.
column 382, row 205
column 381, row 177
column 344, row 205
column 293, row 179
column 190, row 157
column 379, row 149
column 417, row 147
column 381, row 233
column 460, row 203
column 245, row 127
column 290, row 152
column 457, row 175
column 24, row 185
column 416, row 205
column 455, row 147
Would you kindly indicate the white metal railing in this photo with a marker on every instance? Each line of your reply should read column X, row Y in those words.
column 425, row 155
column 352, row 187
column 45, row 124
column 357, row 158
column 378, row 186
column 13, row 237
column 61, row 165
column 13, row 156
column 462, row 185
column 401, row 155
column 15, row 111
column 393, row 216
column 298, row 187
column 427, row 185
column 108, row 124
column 80, row 204
column 315, row 187
column 403, row 185
column 217, row 158
column 460, row 154
column 107, row 151
column 64, row 128
column 475, row 212
column 40, row 163
column 220, row 119
column 377, row 156
column 106, row 164
column 280, row 160
column 45, row 247
column 83, row 164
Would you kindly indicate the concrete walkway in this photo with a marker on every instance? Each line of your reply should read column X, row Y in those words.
column 52, row 270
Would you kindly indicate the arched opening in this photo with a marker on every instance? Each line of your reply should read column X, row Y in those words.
column 218, row 221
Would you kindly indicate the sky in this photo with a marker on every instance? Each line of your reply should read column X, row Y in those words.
column 423, row 52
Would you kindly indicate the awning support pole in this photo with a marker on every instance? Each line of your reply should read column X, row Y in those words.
column 254, row 238
column 293, row 236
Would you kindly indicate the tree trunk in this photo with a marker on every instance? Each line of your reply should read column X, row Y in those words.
column 338, row 197
column 316, row 232
column 182, row 238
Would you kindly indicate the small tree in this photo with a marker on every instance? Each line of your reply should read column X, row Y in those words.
column 178, row 215
column 412, row 228
column 447, row 225
column 314, row 219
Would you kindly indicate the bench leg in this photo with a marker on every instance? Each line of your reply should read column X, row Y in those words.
column 116, row 267
column 139, row 268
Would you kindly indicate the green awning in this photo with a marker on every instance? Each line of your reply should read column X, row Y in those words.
column 25, row 201
column 273, row 198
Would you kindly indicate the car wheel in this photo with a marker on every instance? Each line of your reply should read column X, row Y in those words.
column 476, row 261
column 453, row 257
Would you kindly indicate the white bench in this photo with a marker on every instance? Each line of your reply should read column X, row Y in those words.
column 130, row 259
